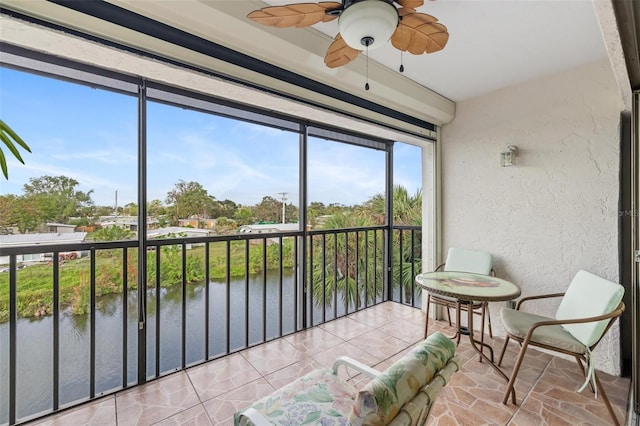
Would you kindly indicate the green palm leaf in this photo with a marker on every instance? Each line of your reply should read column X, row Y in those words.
column 10, row 139
column 312, row 417
column 391, row 378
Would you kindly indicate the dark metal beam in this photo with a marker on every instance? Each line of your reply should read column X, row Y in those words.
column 147, row 26
column 628, row 18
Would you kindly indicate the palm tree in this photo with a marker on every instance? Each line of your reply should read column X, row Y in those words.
column 407, row 209
column 341, row 272
column 10, row 139
column 407, row 262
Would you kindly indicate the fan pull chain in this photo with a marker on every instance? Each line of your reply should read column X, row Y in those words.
column 366, row 86
column 401, row 52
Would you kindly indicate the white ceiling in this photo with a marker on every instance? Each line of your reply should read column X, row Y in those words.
column 495, row 44
column 492, row 45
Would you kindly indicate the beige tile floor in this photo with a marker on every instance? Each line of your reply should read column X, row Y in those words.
column 210, row 393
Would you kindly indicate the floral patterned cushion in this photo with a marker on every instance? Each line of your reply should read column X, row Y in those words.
column 319, row 398
column 381, row 400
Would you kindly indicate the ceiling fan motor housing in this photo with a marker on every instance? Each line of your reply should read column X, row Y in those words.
column 368, row 23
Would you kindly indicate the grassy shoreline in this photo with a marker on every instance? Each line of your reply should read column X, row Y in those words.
column 35, row 282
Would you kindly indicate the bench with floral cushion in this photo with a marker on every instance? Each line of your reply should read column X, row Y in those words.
column 401, row 395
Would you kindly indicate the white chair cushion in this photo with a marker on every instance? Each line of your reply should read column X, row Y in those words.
column 588, row 295
column 518, row 323
column 464, row 260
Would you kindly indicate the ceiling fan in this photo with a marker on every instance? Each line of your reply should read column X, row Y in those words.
column 364, row 25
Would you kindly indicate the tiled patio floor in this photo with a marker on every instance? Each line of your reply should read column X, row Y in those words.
column 209, row 394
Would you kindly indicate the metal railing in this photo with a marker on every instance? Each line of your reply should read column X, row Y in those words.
column 347, row 262
column 406, row 264
column 227, row 293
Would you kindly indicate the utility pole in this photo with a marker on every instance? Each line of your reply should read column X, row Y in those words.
column 283, row 197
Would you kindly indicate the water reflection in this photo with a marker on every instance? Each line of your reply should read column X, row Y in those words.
column 35, row 337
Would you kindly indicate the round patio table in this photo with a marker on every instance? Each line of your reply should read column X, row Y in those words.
column 467, row 287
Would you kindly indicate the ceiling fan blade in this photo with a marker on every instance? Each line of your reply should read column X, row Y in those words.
column 420, row 33
column 404, row 11
column 339, row 53
column 411, row 4
column 295, row 15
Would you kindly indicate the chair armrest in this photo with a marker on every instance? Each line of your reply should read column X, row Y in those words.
column 616, row 312
column 356, row 365
column 541, row 296
column 253, row 415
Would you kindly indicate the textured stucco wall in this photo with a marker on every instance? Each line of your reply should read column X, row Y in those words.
column 556, row 212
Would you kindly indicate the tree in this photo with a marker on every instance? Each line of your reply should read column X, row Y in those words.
column 407, row 210
column 131, row 209
column 244, row 216
column 315, row 209
column 86, row 212
column 348, row 275
column 28, row 218
column 98, row 211
column 189, row 199
column 10, row 140
column 55, row 197
column 405, row 267
column 268, row 210
column 112, row 233
column 8, row 213
column 342, row 276
column 291, row 213
column 225, row 226
column 82, row 221
column 225, row 208
column 155, row 208
column 335, row 208
column 16, row 212
column 162, row 221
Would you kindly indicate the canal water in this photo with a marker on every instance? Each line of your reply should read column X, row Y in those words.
column 34, row 390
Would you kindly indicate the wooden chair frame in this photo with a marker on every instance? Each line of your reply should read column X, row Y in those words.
column 580, row 357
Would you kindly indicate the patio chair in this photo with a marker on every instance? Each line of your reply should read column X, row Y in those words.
column 463, row 260
column 588, row 309
column 402, row 395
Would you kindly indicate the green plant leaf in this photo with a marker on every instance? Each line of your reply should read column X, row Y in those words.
column 383, row 398
column 311, row 418
column 320, row 395
column 4, row 128
column 9, row 138
column 3, row 164
column 9, row 144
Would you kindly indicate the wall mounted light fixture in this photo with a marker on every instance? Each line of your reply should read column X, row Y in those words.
column 508, row 156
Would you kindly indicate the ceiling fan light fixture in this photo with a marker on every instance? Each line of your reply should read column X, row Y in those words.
column 368, row 23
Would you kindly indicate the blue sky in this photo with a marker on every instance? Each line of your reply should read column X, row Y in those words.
column 90, row 135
